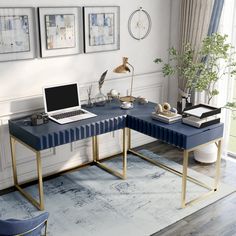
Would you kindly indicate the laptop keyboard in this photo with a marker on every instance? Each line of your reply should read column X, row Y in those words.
column 68, row 114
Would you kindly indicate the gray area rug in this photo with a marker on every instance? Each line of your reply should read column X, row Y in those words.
column 91, row 202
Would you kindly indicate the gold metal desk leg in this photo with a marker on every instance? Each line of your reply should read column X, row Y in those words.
column 40, row 180
column 103, row 166
column 94, row 148
column 184, row 175
column 13, row 156
column 218, row 163
column 124, row 155
column 217, row 178
column 40, row 204
column 129, row 138
column 184, row 178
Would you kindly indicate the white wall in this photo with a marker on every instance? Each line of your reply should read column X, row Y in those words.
column 22, row 81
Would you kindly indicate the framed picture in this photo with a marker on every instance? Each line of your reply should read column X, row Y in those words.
column 17, row 36
column 60, row 31
column 101, row 28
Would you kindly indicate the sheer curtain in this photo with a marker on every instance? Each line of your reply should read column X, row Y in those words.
column 213, row 28
column 225, row 85
column 195, row 21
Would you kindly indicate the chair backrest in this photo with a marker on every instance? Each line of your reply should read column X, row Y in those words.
column 29, row 227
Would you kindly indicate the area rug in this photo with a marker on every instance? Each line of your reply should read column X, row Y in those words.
column 91, row 202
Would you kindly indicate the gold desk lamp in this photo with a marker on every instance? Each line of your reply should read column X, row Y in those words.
column 124, row 69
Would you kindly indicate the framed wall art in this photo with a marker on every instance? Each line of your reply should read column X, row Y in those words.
column 101, row 28
column 17, row 36
column 60, row 31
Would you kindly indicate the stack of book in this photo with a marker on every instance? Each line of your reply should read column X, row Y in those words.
column 169, row 119
column 201, row 116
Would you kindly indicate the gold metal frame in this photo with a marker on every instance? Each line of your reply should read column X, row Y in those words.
column 98, row 163
column 183, row 174
column 95, row 146
column 126, row 147
column 39, row 204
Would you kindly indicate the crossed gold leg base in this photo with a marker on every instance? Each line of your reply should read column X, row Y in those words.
column 184, row 175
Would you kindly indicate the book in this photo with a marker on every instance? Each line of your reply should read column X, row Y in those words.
column 166, row 119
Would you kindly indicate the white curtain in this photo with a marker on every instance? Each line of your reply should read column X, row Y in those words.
column 195, row 20
column 225, row 85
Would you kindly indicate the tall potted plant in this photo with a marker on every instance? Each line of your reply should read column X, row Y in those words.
column 181, row 65
column 202, row 70
column 218, row 62
column 218, row 59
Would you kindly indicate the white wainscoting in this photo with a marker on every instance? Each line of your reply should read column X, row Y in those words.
column 150, row 85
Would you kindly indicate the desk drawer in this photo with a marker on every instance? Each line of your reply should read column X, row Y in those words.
column 39, row 137
column 178, row 137
column 204, row 137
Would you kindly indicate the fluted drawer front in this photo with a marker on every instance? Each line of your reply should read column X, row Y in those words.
column 156, row 131
column 81, row 132
column 59, row 137
column 177, row 134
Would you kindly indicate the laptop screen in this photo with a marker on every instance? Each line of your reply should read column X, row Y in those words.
column 61, row 97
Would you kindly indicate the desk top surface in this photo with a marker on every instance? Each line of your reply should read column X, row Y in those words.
column 109, row 117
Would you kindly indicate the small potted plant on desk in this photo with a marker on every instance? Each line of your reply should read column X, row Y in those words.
column 201, row 71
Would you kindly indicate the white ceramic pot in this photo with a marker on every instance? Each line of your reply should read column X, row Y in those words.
column 207, row 154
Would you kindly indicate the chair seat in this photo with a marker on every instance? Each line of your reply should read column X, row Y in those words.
column 29, row 227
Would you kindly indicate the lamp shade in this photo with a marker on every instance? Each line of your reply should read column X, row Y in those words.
column 122, row 68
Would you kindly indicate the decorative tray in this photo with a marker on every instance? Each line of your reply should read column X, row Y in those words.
column 201, row 111
column 201, row 115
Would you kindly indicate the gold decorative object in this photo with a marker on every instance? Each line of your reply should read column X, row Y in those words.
column 124, row 68
column 166, row 107
column 165, row 110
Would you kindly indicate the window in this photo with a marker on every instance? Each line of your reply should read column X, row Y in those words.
column 228, row 85
column 232, row 132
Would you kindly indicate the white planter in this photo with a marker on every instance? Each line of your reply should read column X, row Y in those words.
column 207, row 154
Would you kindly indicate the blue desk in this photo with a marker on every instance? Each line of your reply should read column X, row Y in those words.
column 111, row 118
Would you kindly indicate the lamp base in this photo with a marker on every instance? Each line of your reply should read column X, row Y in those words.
column 127, row 99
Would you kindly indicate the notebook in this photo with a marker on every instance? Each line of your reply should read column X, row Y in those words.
column 62, row 103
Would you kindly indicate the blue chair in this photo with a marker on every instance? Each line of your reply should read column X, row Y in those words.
column 29, row 227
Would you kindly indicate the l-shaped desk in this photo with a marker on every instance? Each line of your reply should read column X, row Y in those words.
column 110, row 118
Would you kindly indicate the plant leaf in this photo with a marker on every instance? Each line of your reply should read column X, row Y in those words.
column 158, row 60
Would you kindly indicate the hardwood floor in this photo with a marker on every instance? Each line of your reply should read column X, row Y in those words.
column 218, row 219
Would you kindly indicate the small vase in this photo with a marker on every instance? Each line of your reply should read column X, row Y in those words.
column 90, row 102
column 100, row 99
column 184, row 103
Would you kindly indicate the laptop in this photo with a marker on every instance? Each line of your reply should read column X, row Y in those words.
column 62, row 103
